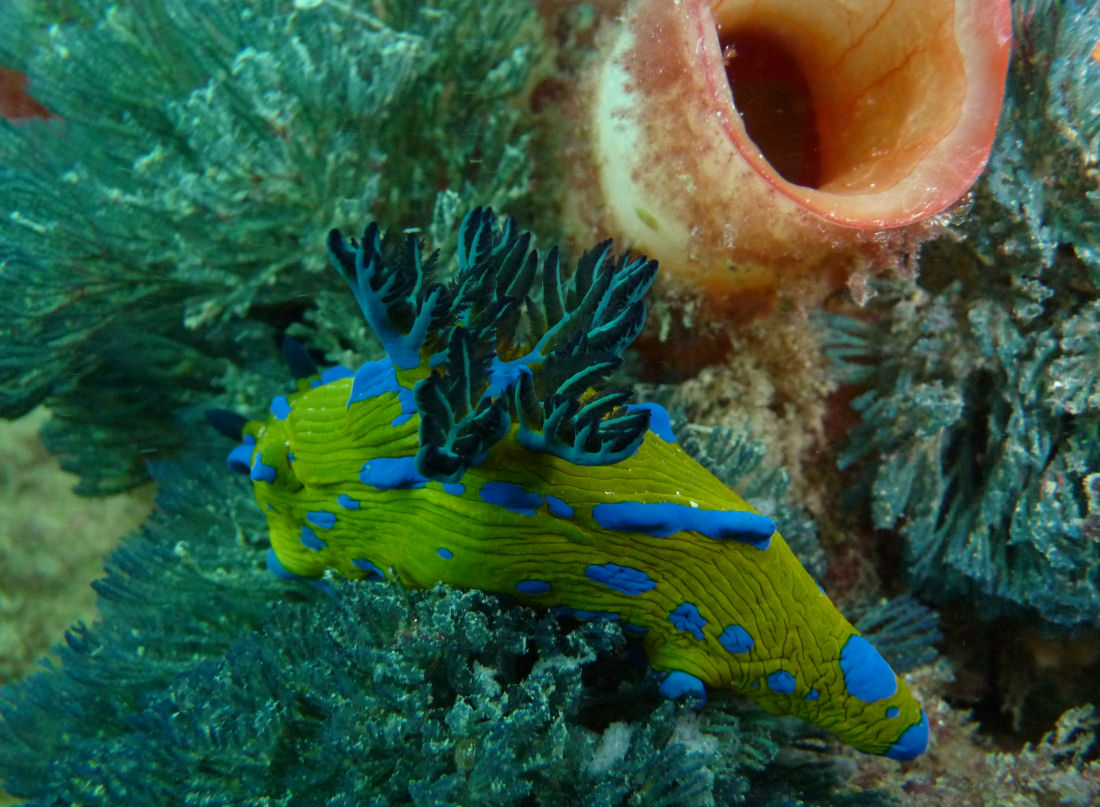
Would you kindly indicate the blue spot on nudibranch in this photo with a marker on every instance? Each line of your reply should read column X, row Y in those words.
column 392, row 473
column 275, row 566
column 736, row 639
column 532, row 586
column 662, row 519
column 913, row 741
column 454, row 488
column 240, row 458
column 310, row 540
column 280, row 407
column 620, row 578
column 376, row 378
column 867, row 676
column 444, row 553
column 407, row 399
column 659, row 421
column 321, row 518
column 781, row 682
column 679, row 683
column 686, row 617
column 558, row 508
column 367, row 566
column 893, row 712
column 261, row 472
column 372, row 379
column 813, row 695
column 347, row 502
column 511, row 496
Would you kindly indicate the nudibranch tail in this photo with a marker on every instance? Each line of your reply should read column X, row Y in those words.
column 487, row 451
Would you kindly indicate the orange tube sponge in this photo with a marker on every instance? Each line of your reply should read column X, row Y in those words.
column 746, row 144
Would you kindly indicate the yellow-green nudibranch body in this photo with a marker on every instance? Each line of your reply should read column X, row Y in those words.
column 463, row 459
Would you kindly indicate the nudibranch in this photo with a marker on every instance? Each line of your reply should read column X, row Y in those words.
column 750, row 145
column 485, row 451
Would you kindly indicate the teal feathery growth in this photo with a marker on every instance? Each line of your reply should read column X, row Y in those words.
column 177, row 206
column 980, row 430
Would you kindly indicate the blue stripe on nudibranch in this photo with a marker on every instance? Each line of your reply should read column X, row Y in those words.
column 557, row 507
column 280, row 407
column 867, row 676
column 347, row 502
column 662, row 519
column 390, row 473
column 781, row 682
column 736, row 639
column 511, row 496
column 912, row 742
column 533, row 587
column 620, row 578
column 367, row 566
column 310, row 540
column 686, row 617
column 321, row 518
column 261, row 472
